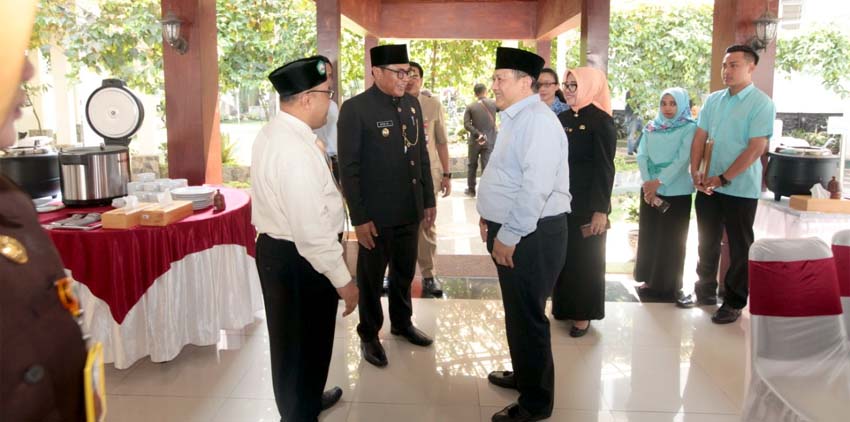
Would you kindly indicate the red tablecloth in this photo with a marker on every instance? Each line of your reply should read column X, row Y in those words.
column 119, row 266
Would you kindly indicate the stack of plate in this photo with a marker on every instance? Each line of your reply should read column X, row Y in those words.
column 201, row 196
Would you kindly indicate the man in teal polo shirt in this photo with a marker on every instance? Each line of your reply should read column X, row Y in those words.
column 739, row 119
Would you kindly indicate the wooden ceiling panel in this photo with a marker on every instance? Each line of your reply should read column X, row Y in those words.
column 449, row 1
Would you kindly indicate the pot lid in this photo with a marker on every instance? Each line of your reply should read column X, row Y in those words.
column 102, row 149
column 803, row 151
column 27, row 151
column 114, row 112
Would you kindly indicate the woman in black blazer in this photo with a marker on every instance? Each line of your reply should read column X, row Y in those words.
column 579, row 293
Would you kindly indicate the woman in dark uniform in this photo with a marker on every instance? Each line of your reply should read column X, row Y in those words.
column 42, row 352
column 579, row 293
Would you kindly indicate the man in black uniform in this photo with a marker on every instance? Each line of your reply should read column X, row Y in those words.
column 386, row 180
column 42, row 352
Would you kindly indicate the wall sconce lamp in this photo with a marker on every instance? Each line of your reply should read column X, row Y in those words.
column 765, row 29
column 171, row 33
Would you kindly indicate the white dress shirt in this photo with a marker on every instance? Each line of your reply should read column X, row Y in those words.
column 295, row 197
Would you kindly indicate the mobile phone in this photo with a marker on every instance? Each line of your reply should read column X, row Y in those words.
column 585, row 229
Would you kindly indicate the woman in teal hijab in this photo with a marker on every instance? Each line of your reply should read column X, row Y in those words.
column 663, row 157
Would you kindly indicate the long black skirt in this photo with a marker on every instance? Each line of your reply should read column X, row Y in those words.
column 662, row 240
column 579, row 293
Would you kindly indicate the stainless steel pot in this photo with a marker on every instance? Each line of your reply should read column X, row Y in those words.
column 94, row 176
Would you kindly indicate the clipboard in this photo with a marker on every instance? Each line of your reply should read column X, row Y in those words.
column 94, row 385
column 705, row 163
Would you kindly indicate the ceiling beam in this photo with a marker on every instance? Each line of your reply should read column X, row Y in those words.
column 555, row 17
column 365, row 14
column 507, row 20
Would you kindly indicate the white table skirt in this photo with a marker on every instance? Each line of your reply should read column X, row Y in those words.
column 198, row 296
column 778, row 220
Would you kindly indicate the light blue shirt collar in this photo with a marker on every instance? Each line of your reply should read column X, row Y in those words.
column 513, row 110
column 742, row 94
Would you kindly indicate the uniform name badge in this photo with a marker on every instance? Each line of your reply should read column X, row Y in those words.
column 384, row 126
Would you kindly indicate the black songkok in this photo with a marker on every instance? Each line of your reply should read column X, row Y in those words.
column 383, row 55
column 516, row 59
column 298, row 76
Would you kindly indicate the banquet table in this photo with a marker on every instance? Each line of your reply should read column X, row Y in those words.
column 776, row 219
column 152, row 290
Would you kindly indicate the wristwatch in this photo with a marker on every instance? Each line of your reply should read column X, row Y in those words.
column 723, row 180
column 447, row 175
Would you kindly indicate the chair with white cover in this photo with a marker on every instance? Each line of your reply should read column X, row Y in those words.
column 841, row 252
column 800, row 365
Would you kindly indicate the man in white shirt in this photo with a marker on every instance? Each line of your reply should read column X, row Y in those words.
column 298, row 211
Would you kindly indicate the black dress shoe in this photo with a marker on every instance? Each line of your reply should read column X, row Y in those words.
column 692, row 300
column 650, row 295
column 504, row 379
column 330, row 397
column 432, row 287
column 413, row 335
column 515, row 413
column 579, row 332
column 469, row 192
column 374, row 353
column 726, row 315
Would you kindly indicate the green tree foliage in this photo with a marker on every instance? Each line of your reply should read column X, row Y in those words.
column 351, row 62
column 257, row 36
column 53, row 20
column 822, row 52
column 458, row 64
column 653, row 48
column 121, row 39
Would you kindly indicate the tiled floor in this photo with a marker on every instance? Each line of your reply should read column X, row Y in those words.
column 643, row 362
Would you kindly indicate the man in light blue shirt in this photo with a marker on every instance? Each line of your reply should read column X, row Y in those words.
column 327, row 133
column 739, row 121
column 523, row 200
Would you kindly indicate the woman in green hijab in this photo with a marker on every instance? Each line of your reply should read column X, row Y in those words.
column 663, row 157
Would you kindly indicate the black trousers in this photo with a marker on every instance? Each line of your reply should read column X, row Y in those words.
column 579, row 293
column 396, row 247
column 301, row 307
column 714, row 213
column 661, row 248
column 476, row 152
column 537, row 259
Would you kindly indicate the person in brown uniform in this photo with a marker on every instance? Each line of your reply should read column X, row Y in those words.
column 42, row 352
column 437, row 144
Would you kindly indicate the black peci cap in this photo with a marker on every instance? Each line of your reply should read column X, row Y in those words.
column 516, row 59
column 298, row 76
column 383, row 55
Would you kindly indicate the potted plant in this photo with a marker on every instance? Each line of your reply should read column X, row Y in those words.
column 32, row 91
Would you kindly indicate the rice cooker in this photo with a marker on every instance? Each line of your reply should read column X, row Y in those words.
column 95, row 175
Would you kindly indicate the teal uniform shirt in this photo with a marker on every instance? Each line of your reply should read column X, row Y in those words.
column 666, row 156
column 731, row 121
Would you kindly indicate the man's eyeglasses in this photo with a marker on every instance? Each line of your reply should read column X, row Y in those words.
column 330, row 92
column 401, row 74
column 569, row 86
